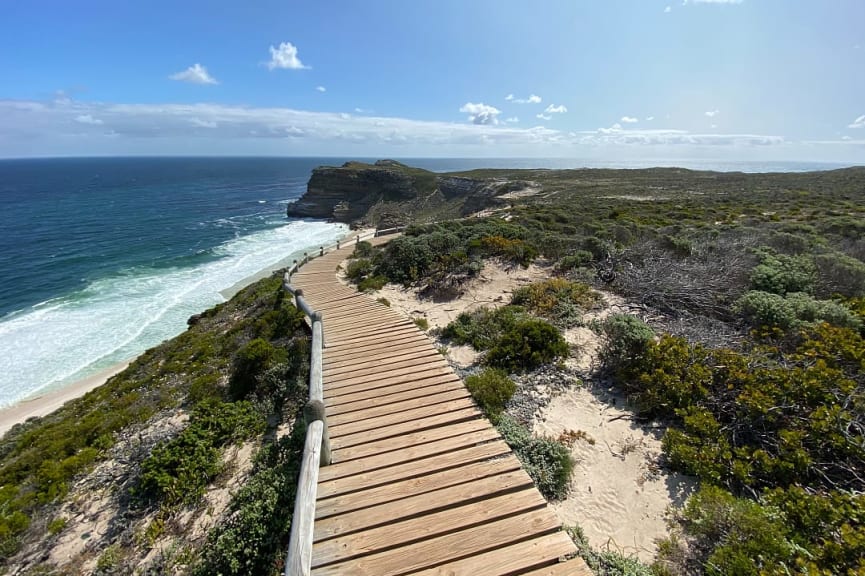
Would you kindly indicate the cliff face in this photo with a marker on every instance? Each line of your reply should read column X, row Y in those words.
column 387, row 193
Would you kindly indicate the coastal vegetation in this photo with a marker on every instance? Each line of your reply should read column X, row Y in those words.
column 161, row 431
column 746, row 346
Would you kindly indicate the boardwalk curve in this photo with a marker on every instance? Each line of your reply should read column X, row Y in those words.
column 420, row 482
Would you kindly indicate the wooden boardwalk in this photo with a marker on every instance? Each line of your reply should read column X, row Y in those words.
column 420, row 483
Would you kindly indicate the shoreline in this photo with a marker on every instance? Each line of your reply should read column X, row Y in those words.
column 43, row 403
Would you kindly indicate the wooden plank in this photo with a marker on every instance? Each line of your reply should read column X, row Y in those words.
column 397, row 490
column 382, row 365
column 336, row 406
column 354, row 427
column 332, row 484
column 376, row 412
column 372, row 344
column 343, row 441
column 573, row 567
column 442, row 549
column 369, row 383
column 440, row 439
column 368, row 375
column 390, row 531
column 515, row 559
column 347, row 341
column 350, row 356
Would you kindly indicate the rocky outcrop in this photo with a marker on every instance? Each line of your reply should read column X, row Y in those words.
column 388, row 190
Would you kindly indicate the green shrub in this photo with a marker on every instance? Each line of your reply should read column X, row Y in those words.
column 250, row 362
column 421, row 323
column 548, row 462
column 606, row 562
column 359, row 269
column 511, row 250
column 731, row 535
column 528, row 344
column 180, row 469
column 491, row 389
column 481, row 328
column 795, row 310
column 384, row 301
column 626, row 338
column 840, row 274
column 372, row 283
column 780, row 274
column 559, row 300
column 578, row 259
column 363, row 249
column 253, row 538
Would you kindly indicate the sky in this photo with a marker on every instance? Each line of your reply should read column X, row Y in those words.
column 756, row 80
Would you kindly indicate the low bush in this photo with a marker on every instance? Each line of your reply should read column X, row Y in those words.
column 625, row 339
column 780, row 274
column 179, row 470
column 548, row 462
column 578, row 259
column 421, row 323
column 357, row 270
column 559, row 300
column 372, row 283
column 481, row 328
column 840, row 274
column 253, row 538
column 528, row 344
column 363, row 249
column 606, row 562
column 491, row 389
column 252, row 360
column 795, row 310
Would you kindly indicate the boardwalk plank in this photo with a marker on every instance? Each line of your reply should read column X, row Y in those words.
column 445, row 548
column 376, row 412
column 334, row 485
column 414, row 486
column 389, row 531
column 515, row 559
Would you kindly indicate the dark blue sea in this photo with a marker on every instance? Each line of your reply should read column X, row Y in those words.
column 102, row 258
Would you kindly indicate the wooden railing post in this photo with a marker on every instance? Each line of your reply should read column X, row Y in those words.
column 321, row 250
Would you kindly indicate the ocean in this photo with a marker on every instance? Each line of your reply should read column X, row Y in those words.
column 103, row 258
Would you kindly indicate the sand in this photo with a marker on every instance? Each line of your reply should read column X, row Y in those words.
column 47, row 402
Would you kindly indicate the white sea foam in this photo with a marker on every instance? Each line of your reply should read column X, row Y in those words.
column 117, row 318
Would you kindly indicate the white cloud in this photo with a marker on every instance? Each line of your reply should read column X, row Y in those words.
column 321, row 88
column 858, row 122
column 846, row 138
column 560, row 109
column 713, row 126
column 285, row 57
column 532, row 99
column 195, row 74
column 512, row 120
column 203, row 123
column 629, row 120
column 543, row 117
column 668, row 9
column 481, row 113
column 714, row 1
column 50, row 128
column 712, row 113
column 88, row 119
column 649, row 118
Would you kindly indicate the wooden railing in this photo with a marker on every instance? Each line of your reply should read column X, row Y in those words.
column 316, row 449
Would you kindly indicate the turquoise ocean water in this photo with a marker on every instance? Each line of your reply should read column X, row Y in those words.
column 103, row 258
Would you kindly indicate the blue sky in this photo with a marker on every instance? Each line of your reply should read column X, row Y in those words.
column 612, row 79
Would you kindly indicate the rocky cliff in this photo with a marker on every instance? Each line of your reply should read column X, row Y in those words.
column 389, row 193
